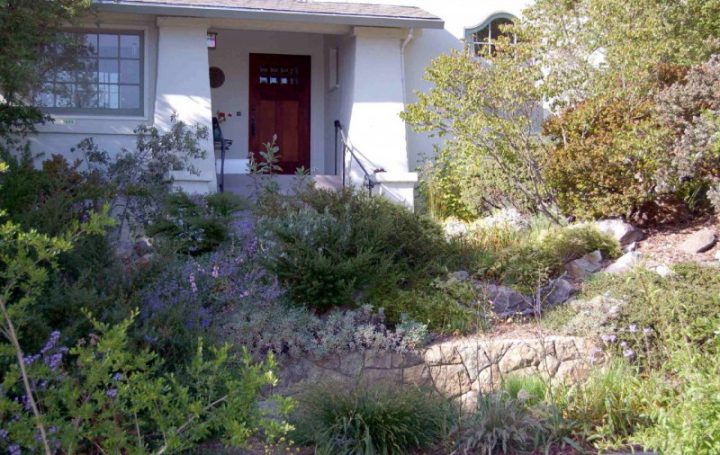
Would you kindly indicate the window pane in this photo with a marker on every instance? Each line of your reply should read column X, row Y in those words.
column 108, row 46
column 497, row 26
column 130, row 46
column 109, row 97
column 87, row 97
column 130, row 71
column 91, row 44
column 46, row 96
column 129, row 97
column 64, row 95
column 87, row 71
column 108, row 71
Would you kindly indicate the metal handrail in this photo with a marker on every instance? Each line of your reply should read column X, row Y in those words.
column 348, row 147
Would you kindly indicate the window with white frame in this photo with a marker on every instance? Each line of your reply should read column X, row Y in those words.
column 482, row 37
column 97, row 72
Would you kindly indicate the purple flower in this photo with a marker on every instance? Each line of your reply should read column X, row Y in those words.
column 216, row 271
column 193, row 284
column 14, row 449
column 629, row 353
column 116, row 377
column 611, row 338
column 51, row 342
column 624, row 345
column 647, row 331
column 3, row 434
column 633, row 328
column 54, row 361
column 30, row 359
column 112, row 393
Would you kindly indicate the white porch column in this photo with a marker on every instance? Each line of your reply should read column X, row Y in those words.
column 375, row 127
column 183, row 91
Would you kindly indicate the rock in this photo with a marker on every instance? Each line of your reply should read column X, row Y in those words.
column 625, row 263
column 631, row 247
column 556, row 292
column 506, row 217
column 662, row 270
column 624, row 233
column 508, row 302
column 699, row 242
column 143, row 246
column 579, row 269
column 717, row 255
column 455, row 228
column 460, row 275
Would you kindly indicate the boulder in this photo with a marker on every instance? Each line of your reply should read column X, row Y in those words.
column 509, row 217
column 625, row 263
column 508, row 302
column 460, row 275
column 624, row 233
column 556, row 292
column 455, row 228
column 579, row 269
column 699, row 242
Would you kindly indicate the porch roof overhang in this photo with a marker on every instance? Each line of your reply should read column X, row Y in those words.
column 348, row 14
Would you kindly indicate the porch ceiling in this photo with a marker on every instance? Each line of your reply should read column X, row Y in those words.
column 352, row 14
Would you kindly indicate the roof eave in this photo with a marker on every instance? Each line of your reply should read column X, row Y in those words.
column 270, row 15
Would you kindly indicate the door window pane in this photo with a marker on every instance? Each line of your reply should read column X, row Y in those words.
column 130, row 46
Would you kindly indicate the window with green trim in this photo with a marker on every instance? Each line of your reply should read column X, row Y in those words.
column 482, row 38
column 95, row 73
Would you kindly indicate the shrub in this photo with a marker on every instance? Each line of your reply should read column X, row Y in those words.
column 625, row 137
column 691, row 108
column 658, row 311
column 527, row 258
column 195, row 224
column 100, row 395
column 446, row 306
column 330, row 249
column 604, row 408
column 685, row 410
column 372, row 419
column 501, row 424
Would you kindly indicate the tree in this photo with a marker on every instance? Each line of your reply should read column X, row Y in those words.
column 28, row 29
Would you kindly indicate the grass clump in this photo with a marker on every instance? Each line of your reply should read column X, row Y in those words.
column 371, row 419
column 502, row 424
column 527, row 257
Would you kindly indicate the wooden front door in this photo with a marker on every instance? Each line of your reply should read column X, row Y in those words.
column 280, row 105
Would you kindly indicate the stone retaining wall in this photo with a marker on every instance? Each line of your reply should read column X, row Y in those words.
column 459, row 368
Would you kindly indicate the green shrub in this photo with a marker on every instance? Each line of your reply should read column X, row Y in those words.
column 336, row 248
column 195, row 224
column 658, row 311
column 685, row 409
column 446, row 306
column 501, row 424
column 605, row 407
column 371, row 419
column 526, row 259
column 100, row 395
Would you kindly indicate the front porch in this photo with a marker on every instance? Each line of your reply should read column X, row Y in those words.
column 354, row 77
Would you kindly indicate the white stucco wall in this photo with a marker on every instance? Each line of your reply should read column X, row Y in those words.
column 428, row 44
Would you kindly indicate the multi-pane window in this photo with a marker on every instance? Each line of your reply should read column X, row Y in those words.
column 103, row 75
column 483, row 38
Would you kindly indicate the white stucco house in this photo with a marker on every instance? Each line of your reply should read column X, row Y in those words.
column 290, row 68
